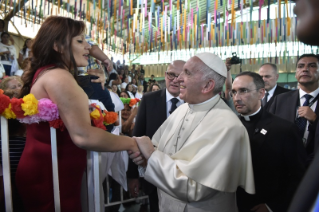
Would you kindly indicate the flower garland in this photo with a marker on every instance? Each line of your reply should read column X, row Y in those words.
column 29, row 110
column 130, row 102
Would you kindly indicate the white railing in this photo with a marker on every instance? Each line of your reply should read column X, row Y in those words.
column 95, row 199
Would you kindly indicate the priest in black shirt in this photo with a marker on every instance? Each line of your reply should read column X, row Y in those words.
column 278, row 154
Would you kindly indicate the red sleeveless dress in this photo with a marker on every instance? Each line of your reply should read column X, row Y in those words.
column 34, row 173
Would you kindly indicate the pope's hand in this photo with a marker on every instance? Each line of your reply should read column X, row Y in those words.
column 145, row 145
column 137, row 158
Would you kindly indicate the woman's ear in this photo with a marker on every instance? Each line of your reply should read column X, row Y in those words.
column 55, row 47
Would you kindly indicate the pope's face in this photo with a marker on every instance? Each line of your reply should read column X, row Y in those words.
column 307, row 12
column 191, row 82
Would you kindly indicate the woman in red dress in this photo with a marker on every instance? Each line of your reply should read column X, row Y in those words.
column 58, row 49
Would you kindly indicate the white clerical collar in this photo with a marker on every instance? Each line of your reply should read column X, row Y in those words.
column 202, row 103
column 169, row 96
column 313, row 93
column 247, row 117
column 272, row 91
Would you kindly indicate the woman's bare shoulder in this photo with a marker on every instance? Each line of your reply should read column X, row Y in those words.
column 55, row 80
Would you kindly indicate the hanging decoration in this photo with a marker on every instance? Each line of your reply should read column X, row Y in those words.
column 173, row 25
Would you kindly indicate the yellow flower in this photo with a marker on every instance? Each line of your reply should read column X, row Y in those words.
column 8, row 113
column 95, row 114
column 30, row 105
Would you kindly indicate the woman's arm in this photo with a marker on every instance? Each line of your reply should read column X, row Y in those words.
column 60, row 86
column 20, row 59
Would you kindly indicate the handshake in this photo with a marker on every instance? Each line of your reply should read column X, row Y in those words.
column 143, row 150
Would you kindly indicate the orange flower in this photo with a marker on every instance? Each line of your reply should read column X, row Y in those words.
column 132, row 102
column 97, row 117
column 110, row 117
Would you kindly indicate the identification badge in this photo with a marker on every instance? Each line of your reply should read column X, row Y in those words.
column 263, row 131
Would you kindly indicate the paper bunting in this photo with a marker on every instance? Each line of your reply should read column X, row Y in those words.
column 142, row 27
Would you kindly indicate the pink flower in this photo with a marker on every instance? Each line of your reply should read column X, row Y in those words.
column 48, row 111
column 30, row 119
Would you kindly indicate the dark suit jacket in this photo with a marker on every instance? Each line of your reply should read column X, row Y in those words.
column 307, row 192
column 278, row 90
column 151, row 115
column 278, row 162
column 285, row 106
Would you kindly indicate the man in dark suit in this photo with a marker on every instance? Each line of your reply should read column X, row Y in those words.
column 155, row 107
column 277, row 153
column 307, row 12
column 300, row 106
column 269, row 73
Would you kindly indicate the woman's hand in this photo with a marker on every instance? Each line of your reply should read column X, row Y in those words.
column 109, row 64
column 134, row 112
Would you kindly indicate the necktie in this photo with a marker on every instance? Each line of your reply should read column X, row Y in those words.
column 301, row 122
column 264, row 101
column 174, row 106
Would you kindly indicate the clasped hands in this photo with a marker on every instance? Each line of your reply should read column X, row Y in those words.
column 146, row 149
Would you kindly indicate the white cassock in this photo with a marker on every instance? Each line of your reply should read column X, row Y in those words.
column 202, row 156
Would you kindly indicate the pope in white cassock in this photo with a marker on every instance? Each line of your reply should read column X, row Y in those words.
column 202, row 151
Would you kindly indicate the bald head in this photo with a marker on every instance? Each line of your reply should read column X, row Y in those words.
column 173, row 70
column 176, row 64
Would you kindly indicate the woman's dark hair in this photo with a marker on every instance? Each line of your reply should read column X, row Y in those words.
column 125, row 92
column 155, row 84
column 24, row 49
column 113, row 76
column 126, row 88
column 117, row 90
column 55, row 32
column 4, row 33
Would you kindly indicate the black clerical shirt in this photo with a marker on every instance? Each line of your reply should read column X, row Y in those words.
column 251, row 124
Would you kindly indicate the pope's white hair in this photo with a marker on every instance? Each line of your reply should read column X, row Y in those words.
column 209, row 74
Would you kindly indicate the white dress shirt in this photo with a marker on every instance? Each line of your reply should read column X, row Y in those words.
column 169, row 96
column 271, row 93
column 313, row 107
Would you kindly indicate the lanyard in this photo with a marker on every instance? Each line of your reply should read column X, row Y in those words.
column 314, row 100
